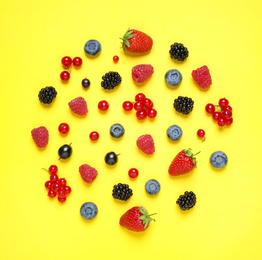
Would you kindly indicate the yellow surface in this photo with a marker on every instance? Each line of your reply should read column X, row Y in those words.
column 226, row 221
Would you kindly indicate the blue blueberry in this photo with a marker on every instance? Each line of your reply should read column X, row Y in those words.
column 173, row 78
column 92, row 47
column 152, row 187
column 218, row 159
column 88, row 210
column 117, row 130
column 174, row 132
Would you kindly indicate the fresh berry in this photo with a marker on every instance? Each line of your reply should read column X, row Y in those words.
column 223, row 103
column 115, row 58
column 48, row 184
column 67, row 189
column 152, row 187
column 88, row 210
column 183, row 105
column 62, row 200
column 200, row 133
column 202, row 77
column 54, row 178
column 55, row 187
column 146, row 144
column 92, row 47
column 51, row 193
column 227, row 114
column 78, row 106
column 46, row 95
column 77, row 61
column 141, row 114
column 218, row 159
column 40, row 136
column 173, row 77
column 138, row 106
column 65, row 151
column 88, row 173
column 178, row 51
column 135, row 41
column 216, row 115
column 151, row 113
column 133, row 173
column 66, row 61
column 53, row 169
column 140, row 97
column 111, row 80
column 65, row 75
column 136, row 219
column 228, row 108
column 210, row 108
column 148, row 104
column 184, row 162
column 174, row 132
column 111, row 158
column 63, row 128
column 142, row 72
column 128, row 106
column 221, row 121
column 62, row 182
column 86, row 83
column 117, row 130
column 229, row 121
column 186, row 201
column 122, row 192
column 103, row 105
column 94, row 136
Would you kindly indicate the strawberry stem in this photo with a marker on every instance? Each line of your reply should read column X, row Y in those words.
column 196, row 153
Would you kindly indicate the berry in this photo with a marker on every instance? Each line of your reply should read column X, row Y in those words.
column 65, row 75
column 186, row 201
column 67, row 189
column 223, row 103
column 218, row 159
column 173, row 77
column 178, row 51
column 227, row 114
column 142, row 114
column 221, row 121
column 152, row 187
column 53, row 169
column 111, row 80
column 62, row 182
column 54, row 178
column 184, row 162
column 128, row 105
column 94, row 136
column 138, row 106
column 122, row 192
column 183, row 105
column 200, row 133
column 103, row 105
column 228, row 108
column 65, row 151
column 148, row 104
column 174, row 132
column 88, row 173
column 216, row 115
column 146, row 144
column 77, row 61
column 151, row 113
column 117, row 130
column 140, row 97
column 88, row 210
column 46, row 95
column 229, row 121
column 92, row 47
column 135, row 41
column 40, row 136
column 63, row 128
column 55, row 187
column 86, row 83
column 111, row 158
column 115, row 58
column 62, row 200
column 66, row 61
column 202, row 77
column 48, row 184
column 78, row 106
column 133, row 173
column 142, row 72
column 210, row 108
column 51, row 193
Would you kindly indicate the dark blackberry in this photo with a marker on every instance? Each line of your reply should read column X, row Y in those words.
column 111, row 80
column 183, row 105
column 47, row 94
column 122, row 192
column 187, row 201
column 178, row 51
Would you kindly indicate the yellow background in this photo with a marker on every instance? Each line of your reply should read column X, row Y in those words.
column 226, row 221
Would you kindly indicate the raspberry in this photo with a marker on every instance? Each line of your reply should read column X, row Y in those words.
column 142, row 72
column 40, row 136
column 202, row 77
column 146, row 144
column 78, row 106
column 88, row 173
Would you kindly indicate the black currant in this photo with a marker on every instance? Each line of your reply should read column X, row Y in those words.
column 111, row 158
column 65, row 151
column 86, row 83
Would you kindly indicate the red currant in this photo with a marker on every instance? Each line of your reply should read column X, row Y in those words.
column 77, row 61
column 62, row 200
column 63, row 128
column 210, row 108
column 51, row 193
column 140, row 97
column 227, row 114
column 94, row 136
column 115, row 58
column 55, row 187
column 223, row 102
column 151, row 113
column 200, row 133
column 221, row 121
column 138, row 106
column 128, row 105
column 53, row 169
column 229, row 121
column 54, row 178
column 228, row 108
column 66, row 61
column 65, row 75
column 103, row 105
column 133, row 173
column 62, row 182
column 48, row 184
column 67, row 189
column 142, row 114
column 216, row 115
column 61, row 194
column 148, row 103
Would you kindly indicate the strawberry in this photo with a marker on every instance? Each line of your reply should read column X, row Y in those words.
column 87, row 173
column 146, row 144
column 78, row 106
column 142, row 72
column 40, row 136
column 135, row 41
column 136, row 219
column 183, row 163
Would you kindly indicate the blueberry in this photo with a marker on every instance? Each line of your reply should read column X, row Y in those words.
column 92, row 47
column 174, row 132
column 173, row 77
column 218, row 159
column 88, row 210
column 117, row 130
column 152, row 187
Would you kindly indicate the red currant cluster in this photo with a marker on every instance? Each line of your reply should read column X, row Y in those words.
column 67, row 63
column 56, row 185
column 143, row 106
column 222, row 113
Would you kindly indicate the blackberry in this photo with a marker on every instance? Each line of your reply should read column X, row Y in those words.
column 187, row 201
column 122, row 192
column 111, row 80
column 178, row 51
column 183, row 105
column 47, row 94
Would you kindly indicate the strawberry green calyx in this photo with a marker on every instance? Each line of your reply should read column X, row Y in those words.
column 188, row 153
column 145, row 217
column 128, row 35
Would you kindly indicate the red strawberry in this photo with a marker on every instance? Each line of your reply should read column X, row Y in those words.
column 136, row 42
column 146, row 144
column 78, row 106
column 183, row 163
column 202, row 77
column 142, row 72
column 88, row 173
column 40, row 136
column 136, row 219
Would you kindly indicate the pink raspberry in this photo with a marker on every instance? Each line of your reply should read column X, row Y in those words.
column 146, row 144
column 40, row 136
column 202, row 77
column 88, row 173
column 142, row 72
column 78, row 106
